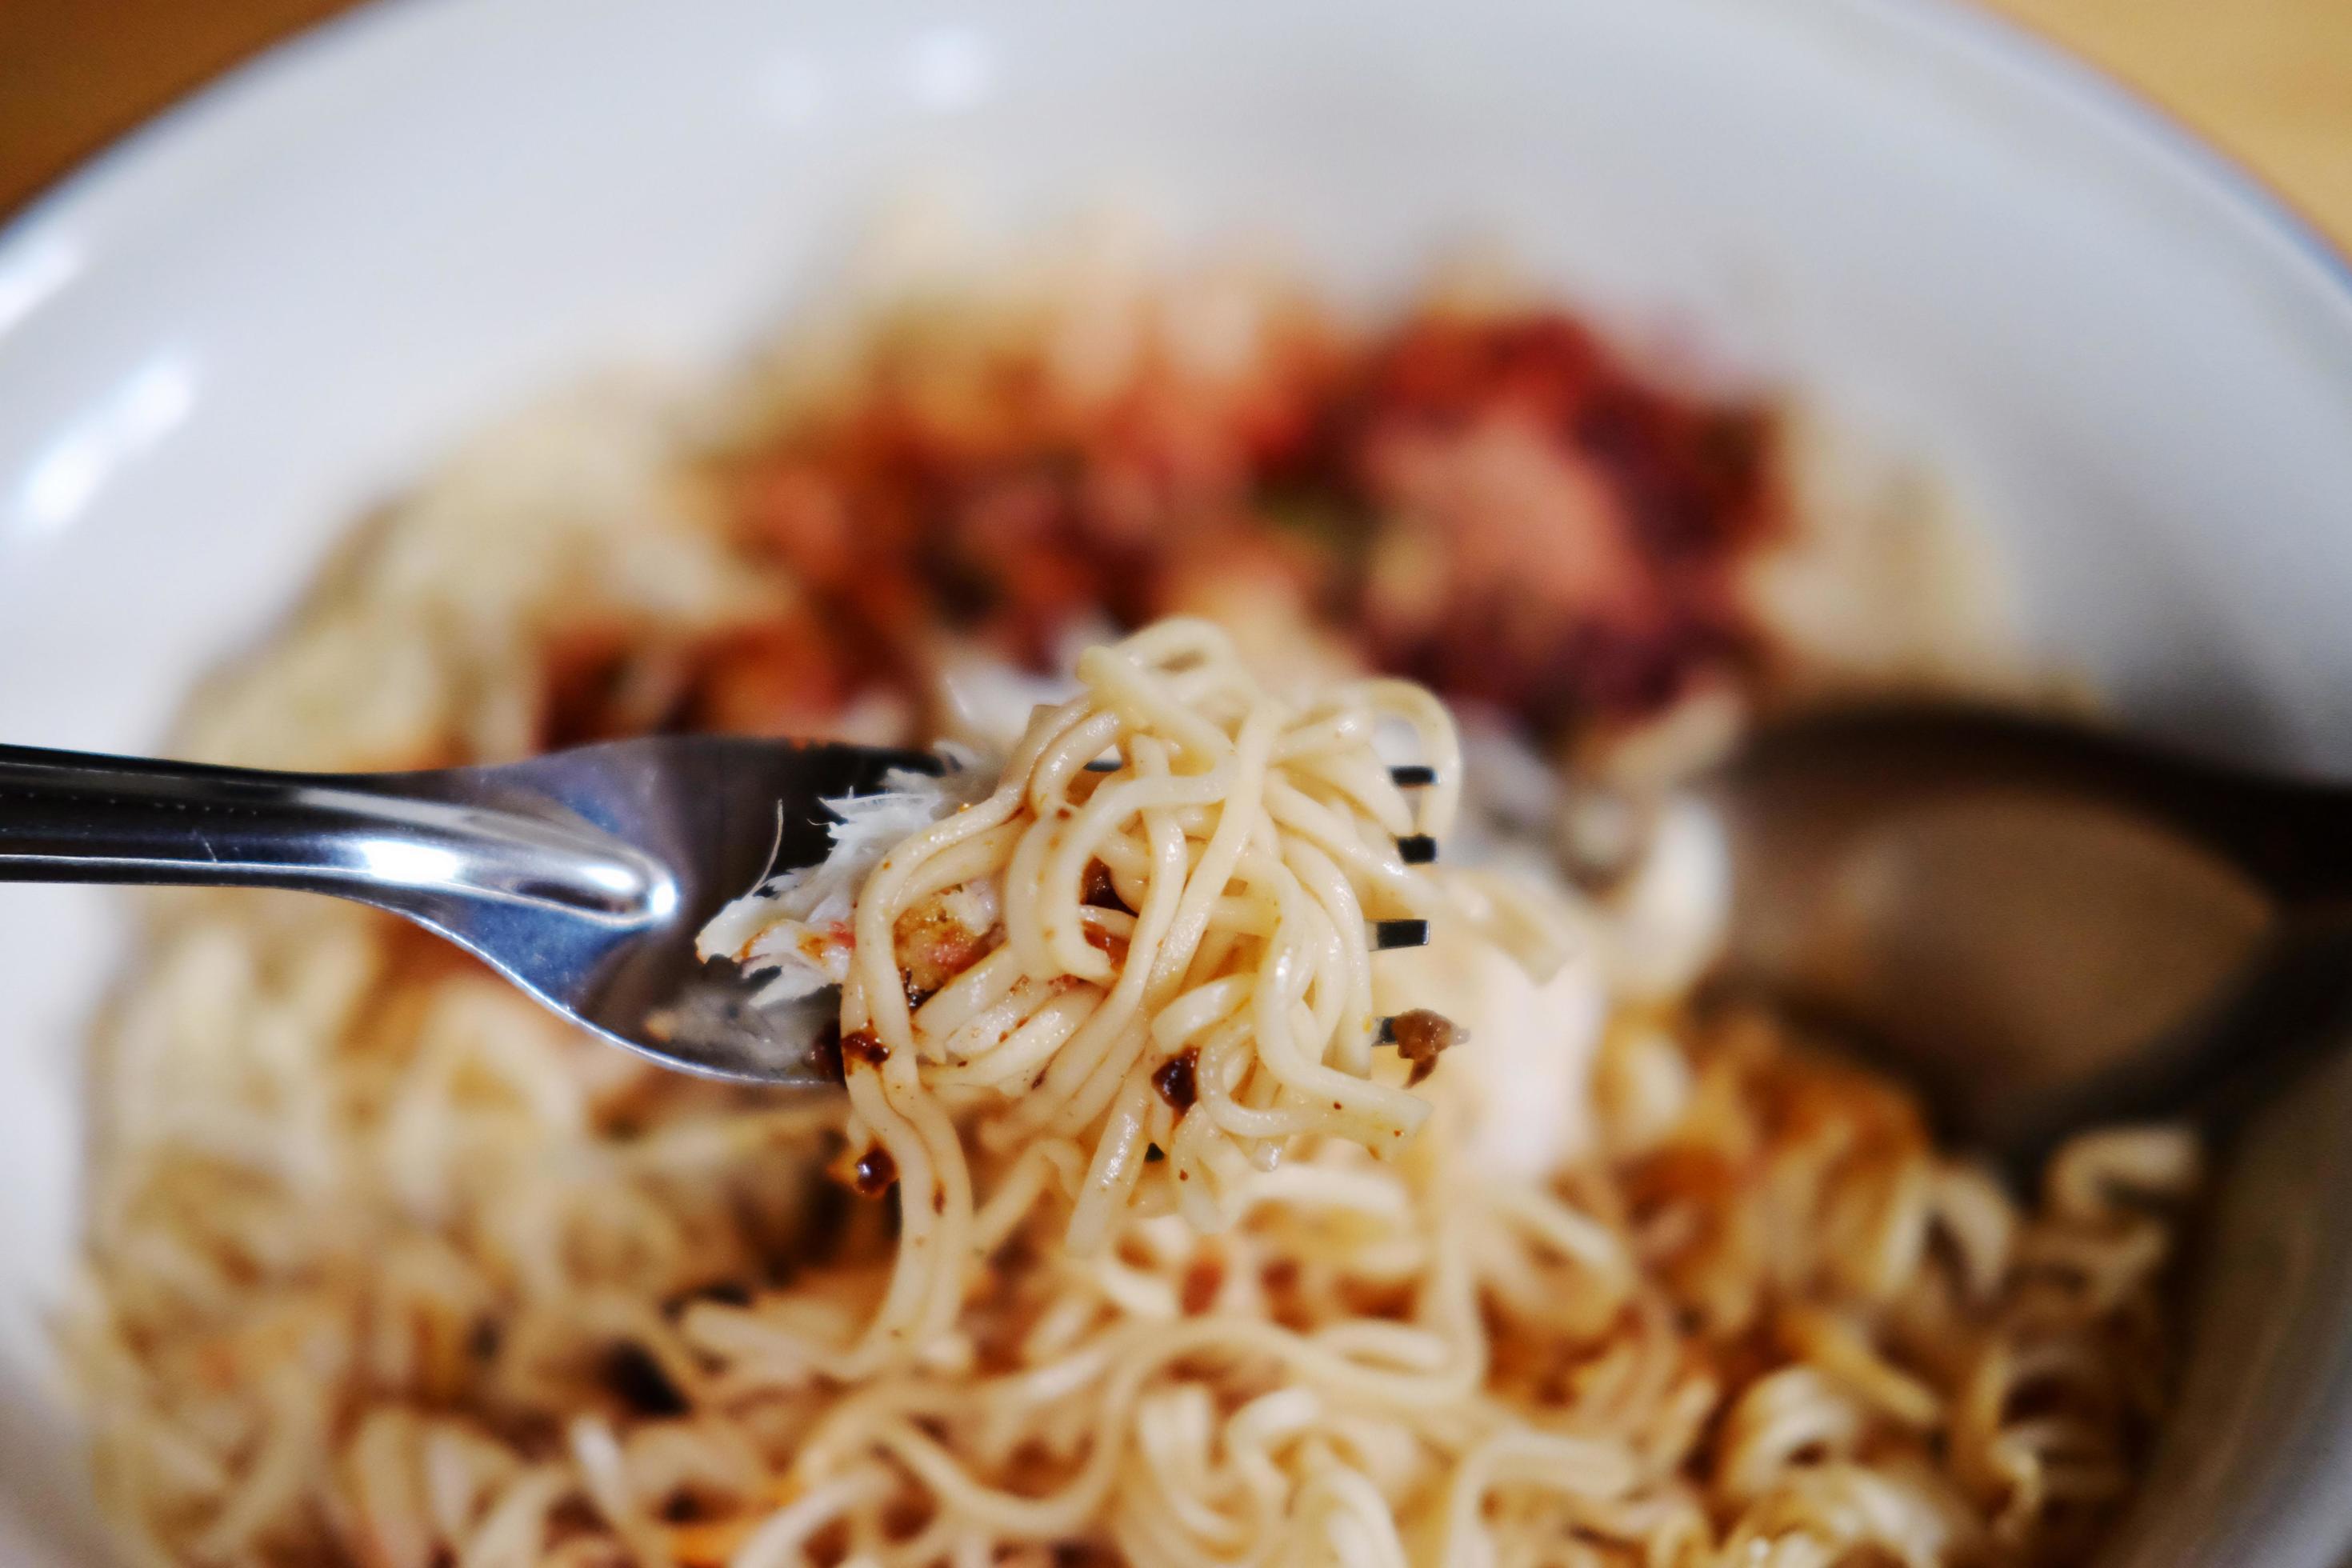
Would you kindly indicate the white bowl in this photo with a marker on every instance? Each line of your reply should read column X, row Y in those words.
column 273, row 304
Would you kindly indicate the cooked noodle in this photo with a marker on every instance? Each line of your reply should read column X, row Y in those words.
column 387, row 1266
column 1242, row 845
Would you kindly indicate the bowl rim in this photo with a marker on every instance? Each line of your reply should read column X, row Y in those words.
column 2245, row 193
column 2160, row 127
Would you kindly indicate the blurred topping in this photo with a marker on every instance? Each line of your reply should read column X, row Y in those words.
column 1555, row 535
column 1494, row 505
column 785, row 676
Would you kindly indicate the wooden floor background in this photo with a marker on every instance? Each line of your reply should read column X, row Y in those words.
column 2269, row 79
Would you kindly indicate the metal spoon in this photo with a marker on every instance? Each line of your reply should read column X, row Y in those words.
column 2038, row 923
column 582, row 876
column 2045, row 928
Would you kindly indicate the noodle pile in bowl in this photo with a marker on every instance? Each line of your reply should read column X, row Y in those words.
column 385, row 1266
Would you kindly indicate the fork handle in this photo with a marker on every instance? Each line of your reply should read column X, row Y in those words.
column 381, row 838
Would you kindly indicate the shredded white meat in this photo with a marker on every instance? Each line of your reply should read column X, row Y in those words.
column 797, row 923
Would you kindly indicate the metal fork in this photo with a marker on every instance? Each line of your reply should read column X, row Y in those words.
column 582, row 876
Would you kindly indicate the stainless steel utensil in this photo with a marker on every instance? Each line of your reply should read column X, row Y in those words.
column 2044, row 927
column 582, row 876
column 2038, row 923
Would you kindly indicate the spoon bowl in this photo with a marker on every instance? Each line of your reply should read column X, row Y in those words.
column 2040, row 924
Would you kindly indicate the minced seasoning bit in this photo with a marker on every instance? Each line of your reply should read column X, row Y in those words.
column 1176, row 1081
column 873, row 1173
column 1099, row 891
column 934, row 946
column 727, row 1292
column 1202, row 1280
column 640, row 1382
column 825, row 1053
column 864, row 1045
column 1421, row 1037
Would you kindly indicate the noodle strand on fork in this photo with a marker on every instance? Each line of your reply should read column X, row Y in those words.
column 1197, row 905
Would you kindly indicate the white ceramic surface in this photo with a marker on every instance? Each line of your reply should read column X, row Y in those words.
column 287, row 294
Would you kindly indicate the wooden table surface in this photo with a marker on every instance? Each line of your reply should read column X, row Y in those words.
column 2270, row 79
